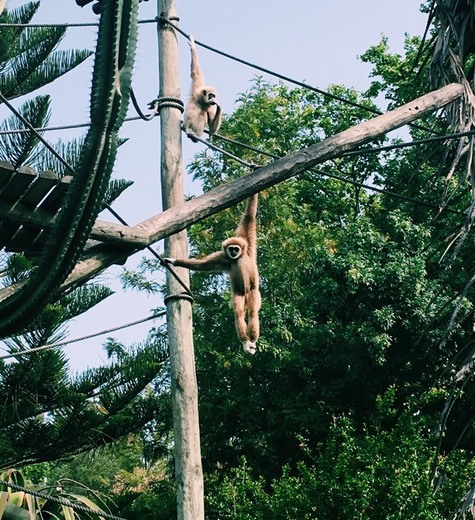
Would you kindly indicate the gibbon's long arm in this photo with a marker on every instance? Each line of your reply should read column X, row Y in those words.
column 217, row 262
column 197, row 78
column 247, row 226
column 214, row 122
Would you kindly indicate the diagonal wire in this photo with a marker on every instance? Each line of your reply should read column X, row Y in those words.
column 272, row 73
column 389, row 193
column 224, row 152
column 159, row 257
column 4, row 100
column 359, row 152
column 287, row 78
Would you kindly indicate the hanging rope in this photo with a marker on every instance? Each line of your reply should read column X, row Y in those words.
column 148, row 117
column 60, row 500
column 156, row 105
column 82, row 338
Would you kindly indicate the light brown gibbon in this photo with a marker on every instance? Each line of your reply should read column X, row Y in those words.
column 202, row 108
column 238, row 257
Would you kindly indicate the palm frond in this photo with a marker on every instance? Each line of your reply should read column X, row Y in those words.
column 115, row 189
column 452, row 47
column 10, row 36
column 69, row 151
column 28, row 59
column 20, row 148
column 83, row 298
column 57, row 64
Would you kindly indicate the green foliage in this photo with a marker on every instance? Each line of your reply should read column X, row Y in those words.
column 355, row 302
column 335, row 415
column 28, row 59
column 401, row 78
column 47, row 414
column 378, row 473
column 22, row 505
column 121, row 475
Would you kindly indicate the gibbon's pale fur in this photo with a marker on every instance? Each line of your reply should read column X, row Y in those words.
column 238, row 257
column 202, row 107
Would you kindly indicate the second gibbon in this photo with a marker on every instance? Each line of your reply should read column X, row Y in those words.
column 238, row 257
column 202, row 108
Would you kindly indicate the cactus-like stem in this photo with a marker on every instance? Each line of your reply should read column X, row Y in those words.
column 111, row 81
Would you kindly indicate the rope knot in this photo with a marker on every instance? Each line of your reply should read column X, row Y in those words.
column 167, row 101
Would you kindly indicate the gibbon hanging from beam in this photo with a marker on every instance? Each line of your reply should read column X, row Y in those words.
column 238, row 257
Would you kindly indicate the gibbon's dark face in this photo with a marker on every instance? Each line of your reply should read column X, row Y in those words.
column 209, row 96
column 233, row 251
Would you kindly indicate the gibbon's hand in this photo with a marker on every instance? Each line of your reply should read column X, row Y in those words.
column 191, row 41
column 169, row 260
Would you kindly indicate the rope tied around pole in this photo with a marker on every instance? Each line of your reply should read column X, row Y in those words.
column 169, row 101
column 179, row 296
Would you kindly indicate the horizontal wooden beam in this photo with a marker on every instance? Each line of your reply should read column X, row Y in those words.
column 180, row 217
column 173, row 220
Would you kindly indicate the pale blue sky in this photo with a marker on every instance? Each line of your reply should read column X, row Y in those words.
column 313, row 41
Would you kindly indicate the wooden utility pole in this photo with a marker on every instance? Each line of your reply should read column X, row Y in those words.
column 188, row 470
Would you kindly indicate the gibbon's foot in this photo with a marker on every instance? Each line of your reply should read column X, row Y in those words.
column 249, row 347
column 191, row 135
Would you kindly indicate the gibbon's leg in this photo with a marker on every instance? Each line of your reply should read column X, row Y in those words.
column 253, row 307
column 239, row 303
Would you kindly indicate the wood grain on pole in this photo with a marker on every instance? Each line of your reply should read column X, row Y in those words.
column 184, row 387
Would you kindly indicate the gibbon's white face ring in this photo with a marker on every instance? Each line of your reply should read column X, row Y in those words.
column 233, row 251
